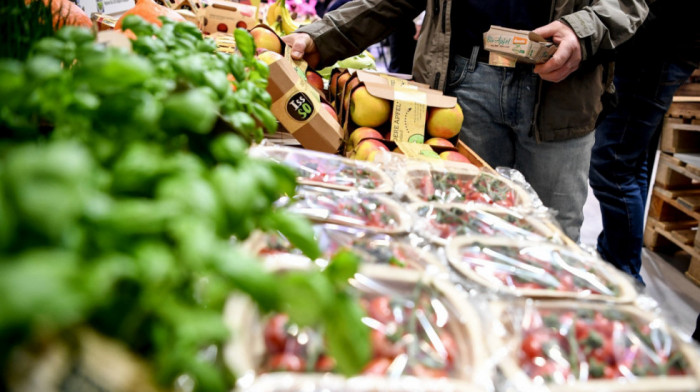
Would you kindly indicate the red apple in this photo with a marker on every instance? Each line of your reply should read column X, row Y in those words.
column 359, row 135
column 265, row 38
column 438, row 141
column 367, row 149
column 444, row 122
column 330, row 110
column 315, row 80
column 453, row 156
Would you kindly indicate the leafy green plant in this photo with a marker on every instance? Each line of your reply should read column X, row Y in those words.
column 123, row 176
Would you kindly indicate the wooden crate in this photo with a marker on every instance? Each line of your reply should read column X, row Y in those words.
column 669, row 173
column 679, row 135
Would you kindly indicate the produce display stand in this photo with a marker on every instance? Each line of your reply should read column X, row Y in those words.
column 458, row 265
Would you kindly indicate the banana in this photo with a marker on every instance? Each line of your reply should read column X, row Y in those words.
column 288, row 24
column 277, row 26
column 272, row 13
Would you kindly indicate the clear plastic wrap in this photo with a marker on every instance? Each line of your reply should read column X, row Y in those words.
column 370, row 211
column 441, row 222
column 579, row 346
column 537, row 270
column 372, row 248
column 327, row 170
column 456, row 185
column 424, row 335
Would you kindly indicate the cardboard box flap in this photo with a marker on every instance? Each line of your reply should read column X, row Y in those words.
column 383, row 78
column 433, row 98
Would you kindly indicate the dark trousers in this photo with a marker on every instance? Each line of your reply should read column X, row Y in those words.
column 402, row 47
column 618, row 173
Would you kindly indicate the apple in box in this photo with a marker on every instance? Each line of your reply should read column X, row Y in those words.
column 266, row 39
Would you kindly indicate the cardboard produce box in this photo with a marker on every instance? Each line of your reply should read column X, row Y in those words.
column 298, row 108
column 408, row 109
column 225, row 16
column 519, row 45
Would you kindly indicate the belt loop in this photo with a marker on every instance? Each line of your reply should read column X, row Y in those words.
column 473, row 59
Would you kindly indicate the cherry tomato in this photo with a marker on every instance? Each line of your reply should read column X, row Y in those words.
column 325, row 364
column 603, row 325
column 275, row 333
column 605, row 354
column 533, row 343
column 450, row 347
column 377, row 366
column 582, row 329
column 382, row 346
column 380, row 310
column 286, row 362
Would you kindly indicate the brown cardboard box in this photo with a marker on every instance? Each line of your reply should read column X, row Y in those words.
column 520, row 45
column 418, row 99
column 225, row 16
column 298, row 108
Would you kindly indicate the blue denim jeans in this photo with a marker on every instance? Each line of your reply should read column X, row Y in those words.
column 618, row 172
column 499, row 108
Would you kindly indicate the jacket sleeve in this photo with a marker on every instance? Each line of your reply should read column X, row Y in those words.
column 605, row 24
column 358, row 24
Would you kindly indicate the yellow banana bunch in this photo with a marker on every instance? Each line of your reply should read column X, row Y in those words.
column 288, row 24
column 272, row 13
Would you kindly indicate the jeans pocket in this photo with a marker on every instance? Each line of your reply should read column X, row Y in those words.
column 457, row 71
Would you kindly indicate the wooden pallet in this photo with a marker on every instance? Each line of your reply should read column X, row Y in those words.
column 681, row 134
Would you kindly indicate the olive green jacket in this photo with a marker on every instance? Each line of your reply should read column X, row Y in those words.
column 565, row 110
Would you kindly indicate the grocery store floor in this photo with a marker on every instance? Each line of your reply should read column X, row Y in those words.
column 678, row 297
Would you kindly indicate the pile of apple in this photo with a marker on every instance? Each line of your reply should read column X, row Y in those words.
column 369, row 113
column 270, row 48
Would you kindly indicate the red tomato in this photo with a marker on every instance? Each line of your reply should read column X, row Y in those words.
column 275, row 333
column 426, row 187
column 450, row 347
column 423, row 371
column 382, row 346
column 566, row 283
column 605, row 354
column 533, row 342
column 603, row 325
column 377, row 366
column 286, row 362
column 582, row 329
column 325, row 364
column 380, row 310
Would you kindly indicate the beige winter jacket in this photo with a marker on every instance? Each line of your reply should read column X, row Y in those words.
column 565, row 110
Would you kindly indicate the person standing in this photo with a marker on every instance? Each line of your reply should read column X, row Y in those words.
column 540, row 119
column 649, row 69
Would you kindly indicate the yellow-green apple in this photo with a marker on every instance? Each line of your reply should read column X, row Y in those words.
column 342, row 79
column 368, row 149
column 268, row 57
column 367, row 110
column 330, row 110
column 440, row 142
column 315, row 80
column 453, row 156
column 361, row 134
column 444, row 122
column 265, row 38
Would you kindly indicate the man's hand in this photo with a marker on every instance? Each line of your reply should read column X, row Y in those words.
column 567, row 57
column 302, row 47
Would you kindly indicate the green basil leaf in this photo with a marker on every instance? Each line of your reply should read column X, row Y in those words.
column 346, row 336
column 192, row 111
column 244, row 43
column 296, row 228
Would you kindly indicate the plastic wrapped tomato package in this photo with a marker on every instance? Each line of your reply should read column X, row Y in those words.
column 537, row 270
column 424, row 336
column 371, row 247
column 370, row 211
column 441, row 222
column 458, row 185
column 327, row 170
column 584, row 346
